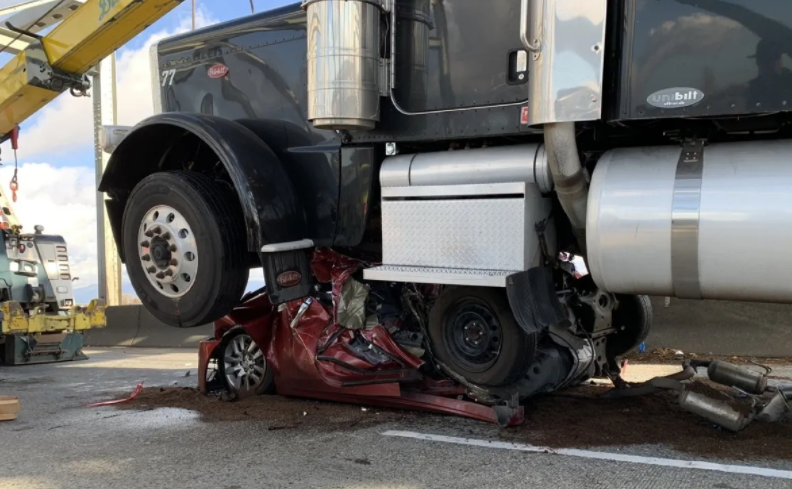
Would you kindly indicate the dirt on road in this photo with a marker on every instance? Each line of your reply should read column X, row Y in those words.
column 575, row 418
column 579, row 418
column 666, row 356
column 276, row 411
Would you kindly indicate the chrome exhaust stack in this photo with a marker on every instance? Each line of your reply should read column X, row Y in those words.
column 571, row 184
column 566, row 39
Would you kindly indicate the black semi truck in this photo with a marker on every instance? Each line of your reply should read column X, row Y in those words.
column 475, row 153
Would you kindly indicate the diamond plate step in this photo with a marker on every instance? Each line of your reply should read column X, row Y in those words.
column 447, row 276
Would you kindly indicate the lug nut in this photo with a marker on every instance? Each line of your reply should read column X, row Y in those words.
column 151, row 269
column 166, row 236
column 169, row 273
column 156, row 230
column 149, row 233
column 174, row 262
column 145, row 244
column 160, row 275
column 145, row 258
column 173, row 248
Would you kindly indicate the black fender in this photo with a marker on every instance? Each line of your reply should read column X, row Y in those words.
column 266, row 194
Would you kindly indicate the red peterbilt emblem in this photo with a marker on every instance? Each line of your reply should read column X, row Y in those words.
column 289, row 279
column 218, row 71
column 525, row 116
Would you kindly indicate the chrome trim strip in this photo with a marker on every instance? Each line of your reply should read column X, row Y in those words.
column 451, row 191
column 686, row 212
column 303, row 244
column 445, row 276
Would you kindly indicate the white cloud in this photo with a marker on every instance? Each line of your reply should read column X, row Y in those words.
column 63, row 200
column 67, row 123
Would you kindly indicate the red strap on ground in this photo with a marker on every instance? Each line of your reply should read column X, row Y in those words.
column 119, row 401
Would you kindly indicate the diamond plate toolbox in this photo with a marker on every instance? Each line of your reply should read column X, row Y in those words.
column 455, row 233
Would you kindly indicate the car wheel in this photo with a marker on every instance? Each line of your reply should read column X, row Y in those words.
column 185, row 247
column 475, row 335
column 242, row 365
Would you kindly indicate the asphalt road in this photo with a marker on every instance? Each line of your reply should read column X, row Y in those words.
column 57, row 443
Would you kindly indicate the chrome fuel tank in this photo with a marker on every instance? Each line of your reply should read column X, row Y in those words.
column 711, row 223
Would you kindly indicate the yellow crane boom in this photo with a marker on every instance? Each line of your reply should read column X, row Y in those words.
column 57, row 62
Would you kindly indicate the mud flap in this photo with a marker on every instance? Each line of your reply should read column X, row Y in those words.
column 287, row 275
column 533, row 299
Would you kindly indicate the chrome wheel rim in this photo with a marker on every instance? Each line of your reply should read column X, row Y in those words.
column 244, row 364
column 168, row 251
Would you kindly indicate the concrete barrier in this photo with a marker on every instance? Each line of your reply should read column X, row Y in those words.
column 134, row 326
column 722, row 328
column 123, row 323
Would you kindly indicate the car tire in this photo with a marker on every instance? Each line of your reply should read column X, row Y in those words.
column 475, row 335
column 238, row 378
column 194, row 269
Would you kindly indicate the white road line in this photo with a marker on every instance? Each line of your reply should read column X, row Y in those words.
column 616, row 457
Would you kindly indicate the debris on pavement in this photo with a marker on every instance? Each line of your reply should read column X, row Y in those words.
column 582, row 418
column 9, row 408
column 575, row 418
column 132, row 397
column 742, row 396
column 276, row 412
column 664, row 356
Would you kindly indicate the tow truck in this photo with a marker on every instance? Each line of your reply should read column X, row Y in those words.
column 40, row 320
column 41, row 323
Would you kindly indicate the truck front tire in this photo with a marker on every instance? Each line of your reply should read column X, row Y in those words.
column 185, row 248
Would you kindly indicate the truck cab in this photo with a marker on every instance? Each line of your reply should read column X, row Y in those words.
column 480, row 149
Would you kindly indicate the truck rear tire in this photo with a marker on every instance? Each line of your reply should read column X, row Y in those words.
column 476, row 336
column 185, row 247
column 633, row 322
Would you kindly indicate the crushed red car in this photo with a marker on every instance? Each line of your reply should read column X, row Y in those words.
column 367, row 343
column 302, row 349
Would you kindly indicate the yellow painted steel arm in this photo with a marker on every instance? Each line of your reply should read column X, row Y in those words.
column 91, row 33
column 14, row 320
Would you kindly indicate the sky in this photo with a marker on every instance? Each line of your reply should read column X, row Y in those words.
column 57, row 177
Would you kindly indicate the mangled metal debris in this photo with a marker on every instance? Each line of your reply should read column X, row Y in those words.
column 746, row 395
